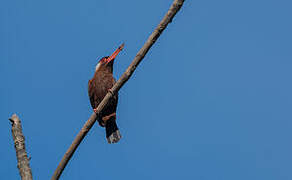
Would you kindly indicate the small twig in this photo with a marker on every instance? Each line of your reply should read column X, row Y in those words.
column 22, row 160
column 176, row 5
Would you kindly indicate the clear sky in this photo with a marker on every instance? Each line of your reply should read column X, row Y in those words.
column 211, row 100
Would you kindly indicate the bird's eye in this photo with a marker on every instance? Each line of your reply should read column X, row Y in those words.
column 105, row 59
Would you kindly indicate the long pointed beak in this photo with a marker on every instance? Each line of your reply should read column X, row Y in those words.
column 114, row 55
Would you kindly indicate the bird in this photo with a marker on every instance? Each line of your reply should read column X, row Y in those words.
column 100, row 84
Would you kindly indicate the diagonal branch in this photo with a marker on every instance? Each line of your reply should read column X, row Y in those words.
column 22, row 160
column 175, row 7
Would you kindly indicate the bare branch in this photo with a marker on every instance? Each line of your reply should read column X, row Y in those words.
column 22, row 160
column 175, row 7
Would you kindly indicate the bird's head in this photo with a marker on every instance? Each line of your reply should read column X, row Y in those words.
column 108, row 61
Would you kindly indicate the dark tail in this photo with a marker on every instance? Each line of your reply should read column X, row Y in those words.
column 112, row 131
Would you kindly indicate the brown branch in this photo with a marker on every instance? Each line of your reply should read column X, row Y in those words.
column 176, row 5
column 22, row 160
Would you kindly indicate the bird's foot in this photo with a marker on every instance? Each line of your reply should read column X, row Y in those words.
column 110, row 91
column 94, row 110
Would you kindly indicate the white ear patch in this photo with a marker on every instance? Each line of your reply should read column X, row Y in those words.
column 97, row 66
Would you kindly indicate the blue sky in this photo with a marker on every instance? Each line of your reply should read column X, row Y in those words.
column 211, row 100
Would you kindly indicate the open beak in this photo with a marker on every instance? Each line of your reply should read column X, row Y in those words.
column 114, row 55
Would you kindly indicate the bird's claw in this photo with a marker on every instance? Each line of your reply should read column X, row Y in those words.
column 110, row 91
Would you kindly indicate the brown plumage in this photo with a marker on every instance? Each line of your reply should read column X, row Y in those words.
column 98, row 87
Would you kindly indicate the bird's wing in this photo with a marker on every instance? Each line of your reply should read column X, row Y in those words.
column 91, row 92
